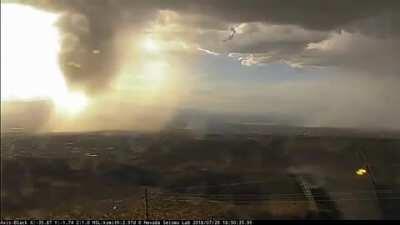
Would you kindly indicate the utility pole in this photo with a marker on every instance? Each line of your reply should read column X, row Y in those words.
column 370, row 173
column 146, row 204
column 383, row 192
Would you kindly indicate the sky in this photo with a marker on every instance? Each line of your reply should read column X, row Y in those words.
column 131, row 64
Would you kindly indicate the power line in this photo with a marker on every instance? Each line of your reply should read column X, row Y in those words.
column 340, row 196
column 283, row 200
column 219, row 185
column 260, row 182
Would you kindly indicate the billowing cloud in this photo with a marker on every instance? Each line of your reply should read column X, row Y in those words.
column 272, row 30
column 351, row 51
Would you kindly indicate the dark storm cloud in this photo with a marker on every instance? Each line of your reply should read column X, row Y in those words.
column 310, row 14
column 91, row 30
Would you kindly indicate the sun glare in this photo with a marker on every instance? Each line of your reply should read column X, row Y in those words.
column 150, row 45
column 29, row 58
column 72, row 103
column 155, row 73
